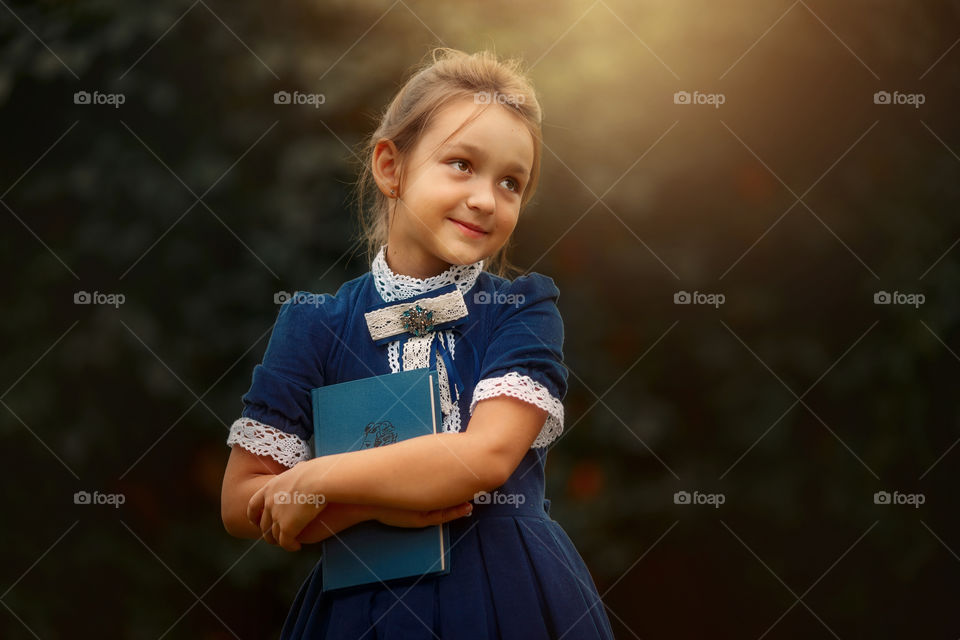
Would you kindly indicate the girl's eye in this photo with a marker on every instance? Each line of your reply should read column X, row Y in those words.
column 515, row 185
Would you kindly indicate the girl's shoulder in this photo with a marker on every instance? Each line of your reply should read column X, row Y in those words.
column 529, row 287
column 527, row 304
column 316, row 313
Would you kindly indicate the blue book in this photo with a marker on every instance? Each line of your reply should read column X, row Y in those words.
column 373, row 412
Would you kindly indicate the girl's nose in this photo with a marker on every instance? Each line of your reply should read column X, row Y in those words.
column 481, row 199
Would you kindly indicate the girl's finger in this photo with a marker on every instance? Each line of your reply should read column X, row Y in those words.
column 456, row 512
column 268, row 537
column 267, row 530
column 288, row 543
column 266, row 521
column 255, row 506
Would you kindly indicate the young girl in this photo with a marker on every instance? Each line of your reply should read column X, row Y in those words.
column 453, row 162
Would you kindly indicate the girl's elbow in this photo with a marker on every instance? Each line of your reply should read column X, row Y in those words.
column 243, row 530
column 497, row 470
column 235, row 522
column 229, row 522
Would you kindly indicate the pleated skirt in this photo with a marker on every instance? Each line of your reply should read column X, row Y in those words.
column 511, row 577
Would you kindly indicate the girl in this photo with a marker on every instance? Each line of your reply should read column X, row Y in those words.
column 454, row 160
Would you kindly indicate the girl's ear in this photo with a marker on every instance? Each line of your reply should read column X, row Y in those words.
column 386, row 167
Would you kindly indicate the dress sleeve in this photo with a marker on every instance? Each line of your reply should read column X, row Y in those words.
column 524, row 359
column 276, row 420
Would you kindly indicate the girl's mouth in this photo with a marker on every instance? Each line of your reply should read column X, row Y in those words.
column 468, row 230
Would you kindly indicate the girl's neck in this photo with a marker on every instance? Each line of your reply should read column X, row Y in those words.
column 407, row 264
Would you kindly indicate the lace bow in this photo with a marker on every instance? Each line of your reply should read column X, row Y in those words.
column 418, row 322
column 417, row 317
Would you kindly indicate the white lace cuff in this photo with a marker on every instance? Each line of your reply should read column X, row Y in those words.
column 263, row 440
column 529, row 390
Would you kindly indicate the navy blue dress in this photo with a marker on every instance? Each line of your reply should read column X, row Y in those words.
column 514, row 571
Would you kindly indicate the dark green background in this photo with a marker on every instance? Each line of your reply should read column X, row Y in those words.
column 663, row 397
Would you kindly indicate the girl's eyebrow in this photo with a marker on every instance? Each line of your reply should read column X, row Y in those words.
column 471, row 148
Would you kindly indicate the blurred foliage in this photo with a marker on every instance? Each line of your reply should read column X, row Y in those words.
column 199, row 198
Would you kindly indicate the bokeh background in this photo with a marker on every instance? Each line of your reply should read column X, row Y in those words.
column 798, row 199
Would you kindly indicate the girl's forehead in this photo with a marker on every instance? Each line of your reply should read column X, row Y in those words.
column 494, row 131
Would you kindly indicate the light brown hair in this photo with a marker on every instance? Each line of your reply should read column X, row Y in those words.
column 446, row 76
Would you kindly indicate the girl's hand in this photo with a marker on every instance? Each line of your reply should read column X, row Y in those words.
column 337, row 517
column 282, row 510
column 410, row 518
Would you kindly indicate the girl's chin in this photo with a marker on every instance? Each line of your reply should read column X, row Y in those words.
column 464, row 253
column 462, row 259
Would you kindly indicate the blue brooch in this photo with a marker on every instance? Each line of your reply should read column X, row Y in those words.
column 417, row 321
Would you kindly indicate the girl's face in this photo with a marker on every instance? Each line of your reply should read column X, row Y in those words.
column 460, row 200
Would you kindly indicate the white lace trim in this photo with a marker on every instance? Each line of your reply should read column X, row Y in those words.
column 449, row 335
column 446, row 397
column 393, row 356
column 263, row 440
column 529, row 390
column 388, row 321
column 416, row 352
column 393, row 286
column 451, row 420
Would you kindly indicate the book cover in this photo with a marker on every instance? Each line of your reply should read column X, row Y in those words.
column 374, row 412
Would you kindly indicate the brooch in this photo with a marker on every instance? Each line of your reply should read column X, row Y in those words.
column 417, row 317
column 417, row 321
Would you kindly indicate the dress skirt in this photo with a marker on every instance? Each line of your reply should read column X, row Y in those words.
column 514, row 574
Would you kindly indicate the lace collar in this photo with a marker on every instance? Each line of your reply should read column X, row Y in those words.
column 393, row 286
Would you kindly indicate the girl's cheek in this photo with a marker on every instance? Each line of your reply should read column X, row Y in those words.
column 450, row 189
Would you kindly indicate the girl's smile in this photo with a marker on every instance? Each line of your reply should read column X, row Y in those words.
column 470, row 230
column 458, row 190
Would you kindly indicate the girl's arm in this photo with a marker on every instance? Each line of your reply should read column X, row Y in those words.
column 433, row 471
column 247, row 472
